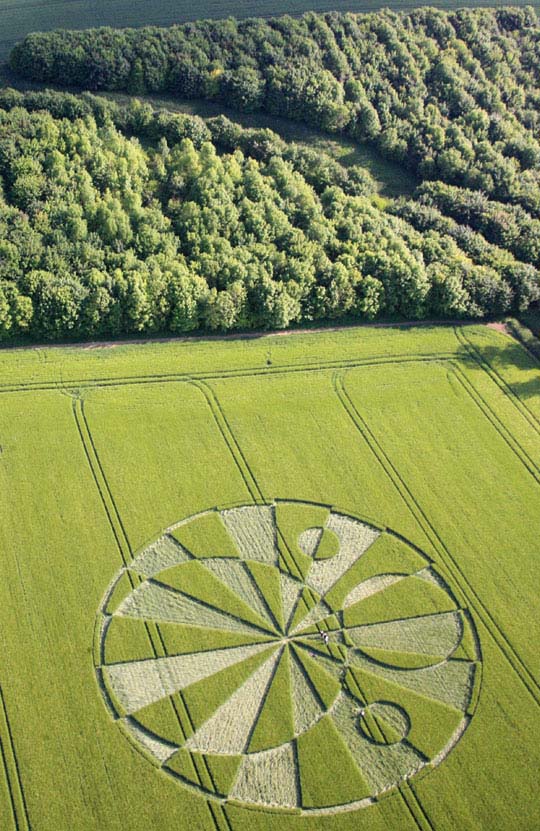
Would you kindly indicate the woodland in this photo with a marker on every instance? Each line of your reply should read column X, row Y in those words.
column 119, row 218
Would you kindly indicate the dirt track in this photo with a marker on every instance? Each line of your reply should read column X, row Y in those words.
column 263, row 333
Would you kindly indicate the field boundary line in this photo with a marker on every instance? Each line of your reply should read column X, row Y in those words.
column 496, row 422
column 19, row 807
column 100, row 481
column 452, row 566
column 415, row 807
column 232, row 444
column 217, row 812
column 497, row 378
column 241, row 461
column 7, row 780
column 243, row 372
column 422, row 821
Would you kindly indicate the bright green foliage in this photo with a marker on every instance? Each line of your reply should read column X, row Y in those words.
column 192, row 239
column 206, row 536
column 331, row 769
column 275, row 723
column 335, row 72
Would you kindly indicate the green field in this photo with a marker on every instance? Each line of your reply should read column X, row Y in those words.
column 286, row 582
column 18, row 17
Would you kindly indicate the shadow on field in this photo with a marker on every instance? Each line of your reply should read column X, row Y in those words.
column 511, row 354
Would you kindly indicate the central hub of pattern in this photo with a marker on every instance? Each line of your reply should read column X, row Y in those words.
column 287, row 655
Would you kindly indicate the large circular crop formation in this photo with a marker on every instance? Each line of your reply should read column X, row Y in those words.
column 287, row 655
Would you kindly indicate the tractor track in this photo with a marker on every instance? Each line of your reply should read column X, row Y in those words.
column 217, row 812
column 446, row 557
column 411, row 802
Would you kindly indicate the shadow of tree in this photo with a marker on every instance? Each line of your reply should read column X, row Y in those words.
column 509, row 354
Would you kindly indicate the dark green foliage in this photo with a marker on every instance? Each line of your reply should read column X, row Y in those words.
column 102, row 236
column 453, row 95
column 507, row 226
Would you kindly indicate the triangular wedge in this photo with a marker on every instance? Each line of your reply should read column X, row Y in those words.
column 328, row 773
column 194, row 580
column 275, row 724
column 204, row 697
column 206, row 536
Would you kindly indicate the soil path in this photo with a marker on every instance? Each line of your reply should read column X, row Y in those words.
column 500, row 327
column 259, row 334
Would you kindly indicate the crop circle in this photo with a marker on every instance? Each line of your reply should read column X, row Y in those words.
column 286, row 655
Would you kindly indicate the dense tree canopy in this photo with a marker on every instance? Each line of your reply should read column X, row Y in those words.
column 119, row 218
column 454, row 96
column 100, row 234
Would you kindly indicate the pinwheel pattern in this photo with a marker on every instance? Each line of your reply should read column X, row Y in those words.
column 287, row 655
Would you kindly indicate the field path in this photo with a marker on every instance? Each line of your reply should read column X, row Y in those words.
column 259, row 333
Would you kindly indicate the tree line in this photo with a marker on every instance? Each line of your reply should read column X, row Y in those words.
column 453, row 95
column 124, row 219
